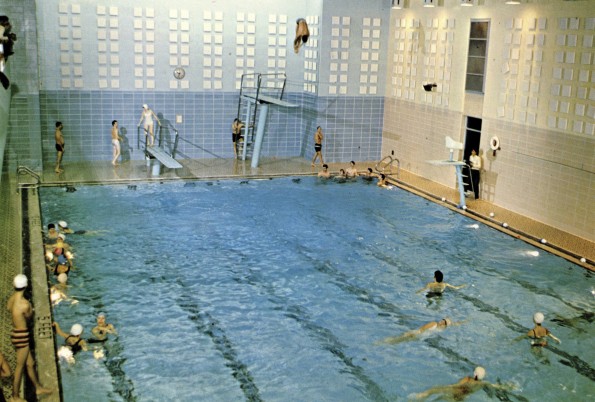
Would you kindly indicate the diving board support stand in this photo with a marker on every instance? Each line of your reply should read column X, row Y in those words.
column 262, row 118
column 459, row 172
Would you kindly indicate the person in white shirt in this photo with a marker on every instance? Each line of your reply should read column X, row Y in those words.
column 475, row 162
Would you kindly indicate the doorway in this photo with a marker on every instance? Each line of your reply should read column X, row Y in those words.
column 472, row 141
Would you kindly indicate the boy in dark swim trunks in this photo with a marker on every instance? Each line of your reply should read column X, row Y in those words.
column 59, row 146
column 22, row 312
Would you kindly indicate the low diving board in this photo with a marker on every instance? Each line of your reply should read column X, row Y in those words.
column 163, row 157
column 458, row 168
column 270, row 100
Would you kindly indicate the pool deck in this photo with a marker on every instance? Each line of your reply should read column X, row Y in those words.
column 564, row 244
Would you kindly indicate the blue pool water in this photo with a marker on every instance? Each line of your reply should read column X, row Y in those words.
column 279, row 290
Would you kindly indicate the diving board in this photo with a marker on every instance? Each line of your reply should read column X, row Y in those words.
column 270, row 100
column 163, row 157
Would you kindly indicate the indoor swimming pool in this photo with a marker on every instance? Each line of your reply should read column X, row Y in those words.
column 284, row 290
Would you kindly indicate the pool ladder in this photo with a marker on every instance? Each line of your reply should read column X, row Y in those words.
column 387, row 163
column 24, row 170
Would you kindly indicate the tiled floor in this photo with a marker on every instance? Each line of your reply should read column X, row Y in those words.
column 559, row 242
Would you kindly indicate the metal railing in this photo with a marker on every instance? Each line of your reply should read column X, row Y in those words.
column 24, row 170
column 387, row 163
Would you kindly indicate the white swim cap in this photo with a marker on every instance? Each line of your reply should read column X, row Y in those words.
column 63, row 224
column 538, row 318
column 20, row 281
column 63, row 278
column 479, row 373
column 62, row 236
column 145, row 106
column 76, row 329
column 448, row 322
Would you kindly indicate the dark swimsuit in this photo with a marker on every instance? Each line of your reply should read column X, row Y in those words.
column 60, row 148
column 75, row 347
column 20, row 338
column 317, row 147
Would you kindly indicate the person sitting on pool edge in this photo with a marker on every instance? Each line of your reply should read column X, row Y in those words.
column 431, row 326
column 102, row 329
column 539, row 334
column 466, row 386
column 437, row 287
column 324, row 173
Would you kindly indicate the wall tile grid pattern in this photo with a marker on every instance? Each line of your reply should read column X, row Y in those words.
column 542, row 167
column 179, row 46
column 421, row 54
column 415, row 132
column 311, row 56
column 548, row 69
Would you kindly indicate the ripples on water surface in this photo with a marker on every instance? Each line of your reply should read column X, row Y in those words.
column 278, row 290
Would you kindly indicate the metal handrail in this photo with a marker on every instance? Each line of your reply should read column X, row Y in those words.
column 26, row 170
column 382, row 165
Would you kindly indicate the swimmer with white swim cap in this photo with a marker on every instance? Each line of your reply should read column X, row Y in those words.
column 72, row 340
column 539, row 333
column 63, row 226
column 465, row 387
column 22, row 313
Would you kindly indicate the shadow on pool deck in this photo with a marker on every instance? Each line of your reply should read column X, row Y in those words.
column 559, row 242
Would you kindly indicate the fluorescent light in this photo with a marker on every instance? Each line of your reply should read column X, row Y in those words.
column 428, row 3
column 513, row 2
column 466, row 3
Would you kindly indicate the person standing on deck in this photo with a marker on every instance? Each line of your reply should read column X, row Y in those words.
column 475, row 161
column 147, row 116
column 115, row 142
column 22, row 312
column 60, row 143
column 318, row 137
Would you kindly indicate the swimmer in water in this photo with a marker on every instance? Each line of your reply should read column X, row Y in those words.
column 382, row 181
column 51, row 236
column 351, row 170
column 63, row 227
column 429, row 327
column 438, row 286
column 368, row 175
column 324, row 173
column 102, row 329
column 465, row 387
column 73, row 340
column 539, row 333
